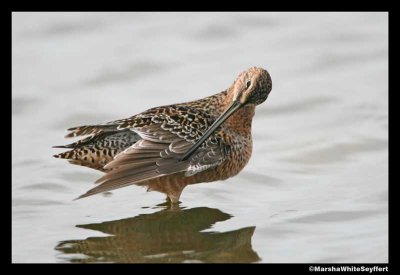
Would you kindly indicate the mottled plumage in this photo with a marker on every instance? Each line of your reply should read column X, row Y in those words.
column 168, row 147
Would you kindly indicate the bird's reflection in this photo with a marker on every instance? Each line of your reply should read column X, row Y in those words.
column 170, row 235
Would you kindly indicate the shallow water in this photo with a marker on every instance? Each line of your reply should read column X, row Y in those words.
column 315, row 190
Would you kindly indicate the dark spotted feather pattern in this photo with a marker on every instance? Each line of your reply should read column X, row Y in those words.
column 168, row 147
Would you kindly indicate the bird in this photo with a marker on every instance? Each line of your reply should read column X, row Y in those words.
column 169, row 147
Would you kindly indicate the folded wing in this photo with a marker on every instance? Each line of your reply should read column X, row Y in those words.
column 166, row 136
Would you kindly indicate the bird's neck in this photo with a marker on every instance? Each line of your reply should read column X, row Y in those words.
column 218, row 103
column 241, row 119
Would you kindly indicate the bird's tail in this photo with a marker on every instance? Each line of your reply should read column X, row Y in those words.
column 98, row 149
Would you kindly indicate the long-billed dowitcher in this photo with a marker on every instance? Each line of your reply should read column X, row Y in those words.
column 169, row 147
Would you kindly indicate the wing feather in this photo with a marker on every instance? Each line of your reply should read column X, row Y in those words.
column 164, row 141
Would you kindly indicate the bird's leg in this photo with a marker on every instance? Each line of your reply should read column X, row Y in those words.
column 171, row 206
column 174, row 193
column 173, row 190
column 173, row 198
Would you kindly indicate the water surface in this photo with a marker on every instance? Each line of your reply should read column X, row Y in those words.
column 315, row 190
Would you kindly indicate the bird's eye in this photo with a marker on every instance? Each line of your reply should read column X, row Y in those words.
column 248, row 83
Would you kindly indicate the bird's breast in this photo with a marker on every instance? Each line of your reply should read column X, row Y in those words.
column 236, row 134
column 240, row 147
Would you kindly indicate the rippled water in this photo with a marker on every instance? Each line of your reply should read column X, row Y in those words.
column 315, row 190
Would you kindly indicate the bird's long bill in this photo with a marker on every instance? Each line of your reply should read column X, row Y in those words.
column 221, row 119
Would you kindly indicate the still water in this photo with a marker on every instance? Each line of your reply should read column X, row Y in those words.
column 315, row 190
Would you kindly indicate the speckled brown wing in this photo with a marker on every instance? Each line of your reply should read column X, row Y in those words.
column 99, row 148
column 166, row 136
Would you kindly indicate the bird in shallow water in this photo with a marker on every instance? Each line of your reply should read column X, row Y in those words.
column 169, row 147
